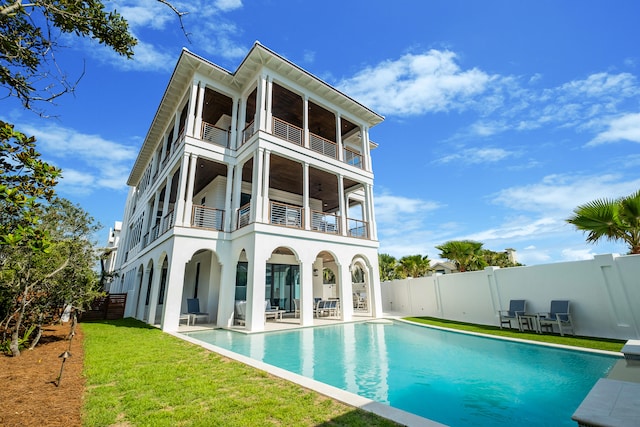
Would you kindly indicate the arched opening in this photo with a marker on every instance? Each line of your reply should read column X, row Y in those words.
column 140, row 280
column 360, row 285
column 202, row 283
column 147, row 297
column 163, row 290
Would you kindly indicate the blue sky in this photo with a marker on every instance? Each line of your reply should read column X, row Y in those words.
column 501, row 116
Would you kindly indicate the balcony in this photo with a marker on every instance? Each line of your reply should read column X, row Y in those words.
column 357, row 228
column 208, row 218
column 244, row 215
column 294, row 134
column 325, row 222
column 285, row 215
column 215, row 135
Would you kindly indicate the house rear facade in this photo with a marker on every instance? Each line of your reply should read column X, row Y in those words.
column 254, row 185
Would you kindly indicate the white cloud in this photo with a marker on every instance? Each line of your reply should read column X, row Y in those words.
column 392, row 209
column 577, row 254
column 417, row 84
column 560, row 194
column 228, row 5
column 477, row 156
column 626, row 127
column 521, row 228
column 89, row 162
column 146, row 13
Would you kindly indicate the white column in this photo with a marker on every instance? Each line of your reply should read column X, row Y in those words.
column 256, row 186
column 265, row 186
column 305, row 120
column 268, row 105
column 371, row 208
column 374, row 286
column 190, row 126
column 167, row 197
column 182, row 183
column 242, row 121
column 237, row 190
column 227, row 292
column 191, row 181
column 339, row 154
column 346, row 290
column 228, row 209
column 255, row 292
column 154, row 213
column 173, row 292
column 305, row 196
column 260, row 102
column 366, row 151
column 233, row 134
column 342, row 204
column 197, row 127
column 306, row 292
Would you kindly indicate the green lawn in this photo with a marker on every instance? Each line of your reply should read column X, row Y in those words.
column 586, row 342
column 138, row 376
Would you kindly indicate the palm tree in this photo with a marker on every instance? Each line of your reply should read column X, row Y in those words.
column 387, row 265
column 466, row 254
column 612, row 219
column 414, row 266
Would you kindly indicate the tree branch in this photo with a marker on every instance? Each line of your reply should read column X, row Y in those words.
column 179, row 14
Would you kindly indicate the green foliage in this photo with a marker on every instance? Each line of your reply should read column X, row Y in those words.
column 178, row 383
column 413, row 266
column 388, row 267
column 28, row 41
column 466, row 254
column 610, row 219
column 5, row 345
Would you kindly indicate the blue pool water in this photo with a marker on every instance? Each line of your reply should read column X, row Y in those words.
column 452, row 378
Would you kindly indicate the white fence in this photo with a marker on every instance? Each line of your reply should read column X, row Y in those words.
column 604, row 294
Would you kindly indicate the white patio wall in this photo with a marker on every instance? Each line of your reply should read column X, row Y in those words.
column 604, row 294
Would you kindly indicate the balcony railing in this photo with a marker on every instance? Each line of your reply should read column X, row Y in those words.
column 352, row 158
column 206, row 217
column 286, row 215
column 325, row 222
column 287, row 131
column 244, row 215
column 323, row 146
column 248, row 131
column 357, row 228
column 167, row 222
column 215, row 135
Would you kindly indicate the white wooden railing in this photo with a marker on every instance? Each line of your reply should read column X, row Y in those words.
column 215, row 135
column 206, row 217
column 248, row 131
column 167, row 222
column 286, row 215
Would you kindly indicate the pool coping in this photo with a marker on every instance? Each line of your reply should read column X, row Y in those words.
column 346, row 397
column 520, row 340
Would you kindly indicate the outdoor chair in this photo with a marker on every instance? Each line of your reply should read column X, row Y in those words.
column 193, row 309
column 558, row 315
column 272, row 312
column 240, row 312
column 516, row 309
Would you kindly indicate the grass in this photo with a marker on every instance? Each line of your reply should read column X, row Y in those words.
column 138, row 376
column 585, row 342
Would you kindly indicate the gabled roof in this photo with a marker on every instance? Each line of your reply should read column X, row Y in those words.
column 259, row 56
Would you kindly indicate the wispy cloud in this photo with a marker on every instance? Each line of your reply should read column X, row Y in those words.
column 89, row 162
column 559, row 194
column 623, row 128
column 477, row 156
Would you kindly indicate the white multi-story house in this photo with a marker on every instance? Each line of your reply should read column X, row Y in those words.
column 249, row 186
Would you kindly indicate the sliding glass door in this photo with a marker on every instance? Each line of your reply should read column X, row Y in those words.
column 282, row 285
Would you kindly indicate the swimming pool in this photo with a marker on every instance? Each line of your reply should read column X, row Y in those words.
column 453, row 378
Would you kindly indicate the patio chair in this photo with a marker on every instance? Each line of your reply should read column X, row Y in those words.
column 240, row 312
column 558, row 315
column 272, row 312
column 516, row 309
column 193, row 309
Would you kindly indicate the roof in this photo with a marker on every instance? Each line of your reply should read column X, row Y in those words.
column 189, row 63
